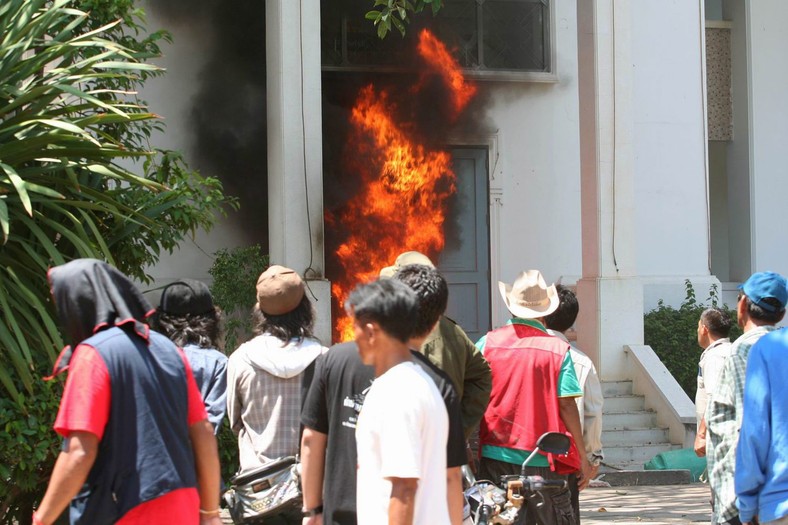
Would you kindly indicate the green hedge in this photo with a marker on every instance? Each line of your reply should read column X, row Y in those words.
column 673, row 334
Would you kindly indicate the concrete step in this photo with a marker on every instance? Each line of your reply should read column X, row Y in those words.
column 638, row 476
column 616, row 388
column 623, row 403
column 621, row 466
column 638, row 419
column 620, row 455
column 634, row 436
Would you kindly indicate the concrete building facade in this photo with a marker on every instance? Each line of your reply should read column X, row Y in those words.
column 606, row 172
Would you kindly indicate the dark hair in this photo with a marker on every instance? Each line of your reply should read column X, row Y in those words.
column 717, row 321
column 203, row 330
column 762, row 314
column 564, row 317
column 387, row 302
column 432, row 292
column 295, row 324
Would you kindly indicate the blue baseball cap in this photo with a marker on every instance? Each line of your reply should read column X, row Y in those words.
column 761, row 285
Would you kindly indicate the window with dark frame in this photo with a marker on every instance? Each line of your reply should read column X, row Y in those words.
column 484, row 36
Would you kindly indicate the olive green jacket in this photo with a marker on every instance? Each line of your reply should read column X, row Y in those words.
column 449, row 349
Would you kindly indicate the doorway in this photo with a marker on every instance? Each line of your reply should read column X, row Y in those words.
column 465, row 260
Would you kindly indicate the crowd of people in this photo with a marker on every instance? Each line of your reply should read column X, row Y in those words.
column 381, row 423
column 742, row 405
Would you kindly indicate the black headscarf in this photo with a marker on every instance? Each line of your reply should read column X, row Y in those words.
column 91, row 295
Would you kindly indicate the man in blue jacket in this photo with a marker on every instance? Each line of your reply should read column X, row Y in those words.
column 761, row 477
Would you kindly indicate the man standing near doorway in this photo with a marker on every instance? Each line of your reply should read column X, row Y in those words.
column 534, row 391
column 714, row 326
column 761, row 305
column 335, row 397
column 448, row 347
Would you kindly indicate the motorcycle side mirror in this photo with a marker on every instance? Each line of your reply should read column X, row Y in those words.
column 550, row 442
column 554, row 443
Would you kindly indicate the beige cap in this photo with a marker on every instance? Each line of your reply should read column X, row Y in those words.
column 405, row 259
column 279, row 290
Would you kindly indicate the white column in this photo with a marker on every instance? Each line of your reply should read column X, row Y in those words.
column 610, row 294
column 295, row 149
column 767, row 40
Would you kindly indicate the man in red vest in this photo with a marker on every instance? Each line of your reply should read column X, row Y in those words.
column 534, row 387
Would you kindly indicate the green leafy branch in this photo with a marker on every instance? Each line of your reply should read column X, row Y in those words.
column 395, row 13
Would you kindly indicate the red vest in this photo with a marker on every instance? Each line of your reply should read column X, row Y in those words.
column 526, row 364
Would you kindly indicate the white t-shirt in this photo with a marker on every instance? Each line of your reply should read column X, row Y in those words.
column 401, row 433
column 711, row 362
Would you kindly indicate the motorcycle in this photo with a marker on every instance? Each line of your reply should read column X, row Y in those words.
column 488, row 503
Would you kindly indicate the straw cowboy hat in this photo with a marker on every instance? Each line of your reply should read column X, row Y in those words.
column 405, row 259
column 529, row 297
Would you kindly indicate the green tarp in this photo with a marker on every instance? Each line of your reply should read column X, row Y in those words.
column 682, row 459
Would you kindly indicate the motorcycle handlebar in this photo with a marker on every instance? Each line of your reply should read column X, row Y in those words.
column 537, row 483
column 534, row 483
column 554, row 483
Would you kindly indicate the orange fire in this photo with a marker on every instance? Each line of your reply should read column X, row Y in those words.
column 405, row 186
column 438, row 57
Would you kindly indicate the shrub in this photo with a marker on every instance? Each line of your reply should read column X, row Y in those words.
column 235, row 274
column 673, row 334
column 28, row 446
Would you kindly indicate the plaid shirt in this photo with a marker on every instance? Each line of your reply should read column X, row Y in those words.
column 265, row 409
column 723, row 422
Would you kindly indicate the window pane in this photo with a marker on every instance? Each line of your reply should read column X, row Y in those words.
column 457, row 26
column 331, row 37
column 348, row 39
column 514, row 35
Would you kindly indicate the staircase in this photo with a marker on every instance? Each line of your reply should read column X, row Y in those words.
column 630, row 435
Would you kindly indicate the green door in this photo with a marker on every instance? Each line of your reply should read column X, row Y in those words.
column 465, row 260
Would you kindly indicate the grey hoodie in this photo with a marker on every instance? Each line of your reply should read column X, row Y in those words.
column 264, row 396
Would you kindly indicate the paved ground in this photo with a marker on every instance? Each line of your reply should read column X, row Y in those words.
column 663, row 504
column 666, row 504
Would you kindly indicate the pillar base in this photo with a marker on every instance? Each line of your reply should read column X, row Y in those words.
column 611, row 316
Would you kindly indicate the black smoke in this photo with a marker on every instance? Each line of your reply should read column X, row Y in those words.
column 228, row 117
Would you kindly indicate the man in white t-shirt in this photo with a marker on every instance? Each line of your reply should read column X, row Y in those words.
column 403, row 427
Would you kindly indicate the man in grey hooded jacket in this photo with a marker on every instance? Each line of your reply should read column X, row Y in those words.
column 264, row 375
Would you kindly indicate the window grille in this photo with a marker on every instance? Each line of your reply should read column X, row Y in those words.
column 489, row 38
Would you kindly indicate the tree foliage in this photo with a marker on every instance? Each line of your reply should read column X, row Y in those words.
column 673, row 334
column 78, row 178
column 386, row 14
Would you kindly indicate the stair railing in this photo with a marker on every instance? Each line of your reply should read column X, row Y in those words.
column 662, row 393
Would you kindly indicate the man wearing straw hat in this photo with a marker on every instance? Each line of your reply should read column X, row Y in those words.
column 534, row 387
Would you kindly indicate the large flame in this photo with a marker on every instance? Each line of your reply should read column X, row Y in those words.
column 405, row 186
column 438, row 57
